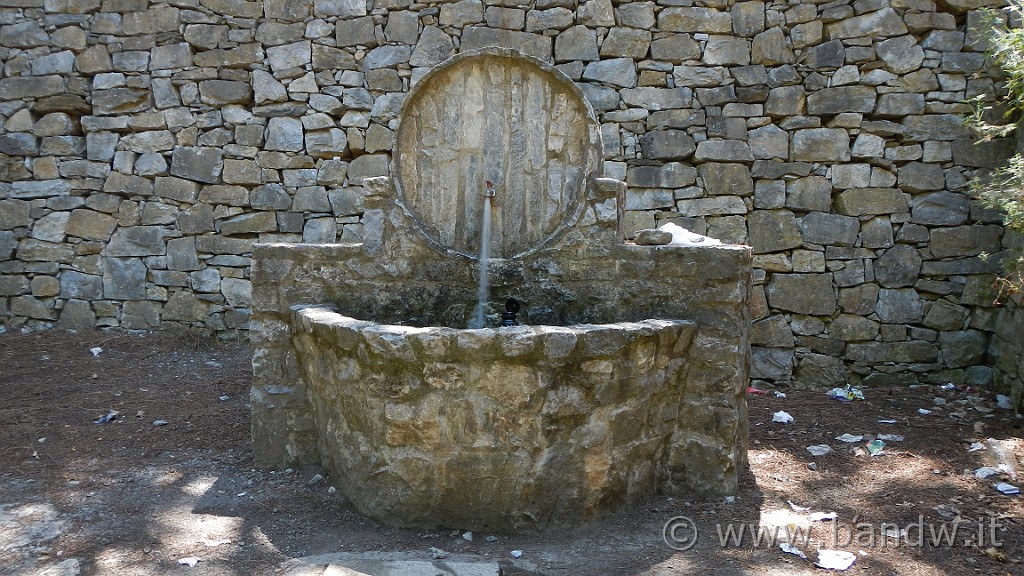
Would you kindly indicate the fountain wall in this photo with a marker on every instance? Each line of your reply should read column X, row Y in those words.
column 146, row 146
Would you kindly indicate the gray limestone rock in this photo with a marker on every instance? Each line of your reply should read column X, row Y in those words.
column 899, row 306
column 803, row 293
column 773, row 231
column 434, row 47
column 898, row 267
column 124, row 278
column 616, row 72
column 201, row 164
column 667, row 145
column 821, row 145
column 829, row 229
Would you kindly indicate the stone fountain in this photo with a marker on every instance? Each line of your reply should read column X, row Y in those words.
column 625, row 379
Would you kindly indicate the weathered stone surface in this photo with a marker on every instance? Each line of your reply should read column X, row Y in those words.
column 535, row 45
column 723, row 151
column 124, row 278
column 940, row 208
column 899, row 305
column 875, row 352
column 773, row 230
column 695, row 20
column 962, row 241
column 74, row 284
column 201, row 164
column 830, row 101
column 898, row 266
column 771, row 363
column 829, row 229
column 901, row 55
column 616, row 72
column 137, row 241
column 869, row 201
column 883, row 23
column 802, row 293
column 667, row 145
column 821, row 145
column 964, row 348
column 434, row 47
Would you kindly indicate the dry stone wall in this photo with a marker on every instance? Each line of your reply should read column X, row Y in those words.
column 145, row 146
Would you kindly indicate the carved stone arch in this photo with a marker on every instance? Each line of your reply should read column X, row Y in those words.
column 500, row 116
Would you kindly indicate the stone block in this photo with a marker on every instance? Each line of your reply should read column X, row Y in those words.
column 899, row 306
column 695, row 19
column 871, row 201
column 434, row 47
column 773, row 231
column 829, row 229
column 667, row 145
column 962, row 241
column 940, row 208
column 615, row 72
column 723, row 151
column 841, row 99
column 803, row 293
column 821, row 145
column 201, row 164
column 726, row 179
column 898, row 267
column 137, row 241
column 124, row 278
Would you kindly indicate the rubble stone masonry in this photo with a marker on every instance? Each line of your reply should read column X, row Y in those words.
column 145, row 146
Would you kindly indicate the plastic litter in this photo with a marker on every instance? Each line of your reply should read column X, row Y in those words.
column 160, row 422
column 110, row 416
column 948, row 386
column 846, row 394
column 985, row 472
column 1006, row 488
column 850, row 438
column 924, row 411
column 96, row 351
column 782, row 417
column 517, row 553
column 790, row 549
column 780, row 394
column 683, row 236
column 467, row 536
column 796, row 507
column 1003, row 401
column 835, row 559
column 976, row 447
column 886, row 421
column 821, row 516
column 819, row 449
column 225, row 398
column 191, row 561
column 891, row 437
column 875, row 447
column 1001, row 457
column 756, row 391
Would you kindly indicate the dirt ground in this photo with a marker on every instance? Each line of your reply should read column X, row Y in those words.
column 168, row 481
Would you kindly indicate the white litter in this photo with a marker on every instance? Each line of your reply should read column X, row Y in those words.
column 1003, row 401
column 797, row 507
column 96, row 351
column 985, row 472
column 683, row 237
column 517, row 553
column 821, row 516
column 886, row 421
column 191, row 561
column 782, row 417
column 780, row 394
column 467, row 536
column 790, row 549
column 976, row 447
column 924, row 411
column 850, row 438
column 891, row 437
column 835, row 559
column 819, row 449
column 1006, row 488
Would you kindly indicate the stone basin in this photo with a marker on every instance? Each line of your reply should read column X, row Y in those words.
column 508, row 429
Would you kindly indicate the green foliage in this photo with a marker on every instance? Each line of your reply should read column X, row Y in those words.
column 1004, row 188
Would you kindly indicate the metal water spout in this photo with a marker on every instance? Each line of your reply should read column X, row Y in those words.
column 485, row 257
